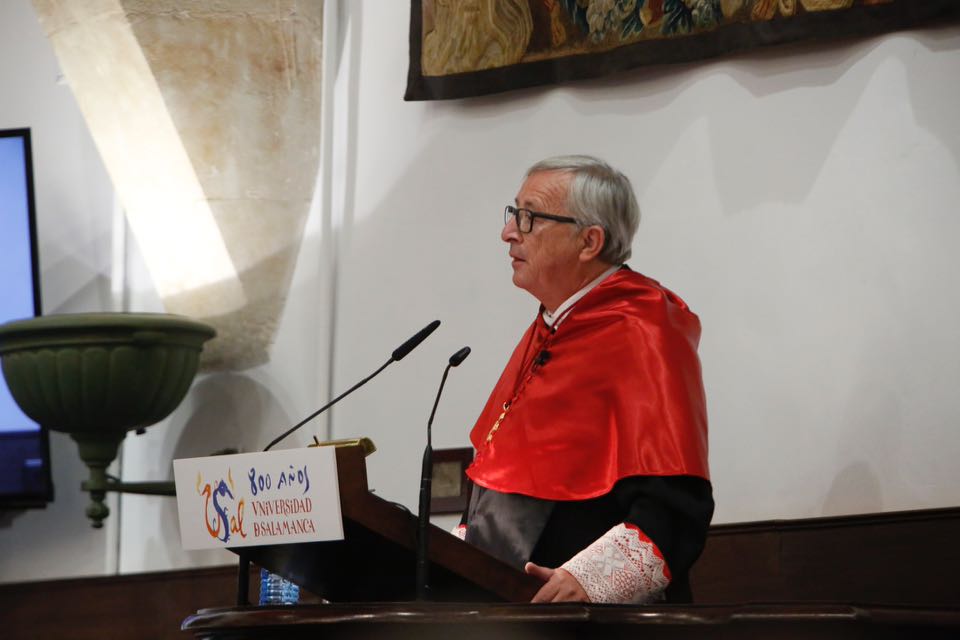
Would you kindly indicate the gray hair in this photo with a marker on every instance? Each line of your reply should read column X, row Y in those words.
column 599, row 195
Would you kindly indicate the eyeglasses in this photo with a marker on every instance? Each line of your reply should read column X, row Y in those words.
column 524, row 218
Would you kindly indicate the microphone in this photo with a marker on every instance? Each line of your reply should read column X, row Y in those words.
column 542, row 358
column 398, row 354
column 426, row 481
column 459, row 357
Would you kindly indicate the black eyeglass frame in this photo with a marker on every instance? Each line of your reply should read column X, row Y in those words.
column 512, row 211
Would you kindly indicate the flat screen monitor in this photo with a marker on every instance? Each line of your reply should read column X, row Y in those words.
column 25, row 479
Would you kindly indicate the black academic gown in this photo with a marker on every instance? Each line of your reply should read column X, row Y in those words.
column 673, row 511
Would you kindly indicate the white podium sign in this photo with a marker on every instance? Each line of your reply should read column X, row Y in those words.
column 248, row 499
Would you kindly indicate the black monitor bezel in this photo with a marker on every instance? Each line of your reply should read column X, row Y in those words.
column 31, row 499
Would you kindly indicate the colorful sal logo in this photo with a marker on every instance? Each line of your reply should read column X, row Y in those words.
column 218, row 500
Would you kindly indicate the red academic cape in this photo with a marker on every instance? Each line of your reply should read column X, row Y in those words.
column 620, row 394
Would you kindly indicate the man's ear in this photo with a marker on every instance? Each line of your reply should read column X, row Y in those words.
column 592, row 238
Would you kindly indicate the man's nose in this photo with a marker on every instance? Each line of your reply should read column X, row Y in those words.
column 510, row 232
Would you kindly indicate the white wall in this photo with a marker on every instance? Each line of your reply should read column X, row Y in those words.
column 802, row 200
column 74, row 201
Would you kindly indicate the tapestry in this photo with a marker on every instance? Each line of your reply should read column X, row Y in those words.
column 462, row 48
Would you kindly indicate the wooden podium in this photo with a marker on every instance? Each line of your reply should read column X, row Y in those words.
column 376, row 560
column 445, row 621
column 369, row 580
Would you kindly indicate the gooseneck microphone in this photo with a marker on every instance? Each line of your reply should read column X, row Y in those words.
column 398, row 354
column 457, row 358
column 426, row 481
column 401, row 352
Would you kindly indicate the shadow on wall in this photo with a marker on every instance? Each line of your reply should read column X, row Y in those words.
column 937, row 116
column 245, row 335
column 88, row 291
column 856, row 489
column 873, row 428
column 231, row 411
column 776, row 160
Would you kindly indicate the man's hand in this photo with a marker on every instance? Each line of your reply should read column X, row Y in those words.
column 560, row 585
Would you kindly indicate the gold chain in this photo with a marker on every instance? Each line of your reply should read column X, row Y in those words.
column 496, row 425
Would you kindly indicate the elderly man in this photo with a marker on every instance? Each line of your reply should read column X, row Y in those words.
column 591, row 466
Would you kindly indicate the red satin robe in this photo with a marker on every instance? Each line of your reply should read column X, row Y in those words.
column 618, row 394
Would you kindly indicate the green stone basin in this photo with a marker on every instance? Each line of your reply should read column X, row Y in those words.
column 97, row 375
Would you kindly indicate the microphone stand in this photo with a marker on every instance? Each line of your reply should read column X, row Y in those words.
column 426, row 492
column 426, row 486
column 329, row 404
column 243, row 569
column 398, row 354
column 423, row 523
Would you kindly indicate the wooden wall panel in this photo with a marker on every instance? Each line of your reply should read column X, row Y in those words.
column 146, row 605
column 909, row 557
column 906, row 558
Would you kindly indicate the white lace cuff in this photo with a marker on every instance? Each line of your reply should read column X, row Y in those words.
column 622, row 566
column 460, row 531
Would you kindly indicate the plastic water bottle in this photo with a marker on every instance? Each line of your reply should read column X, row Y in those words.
column 276, row 589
